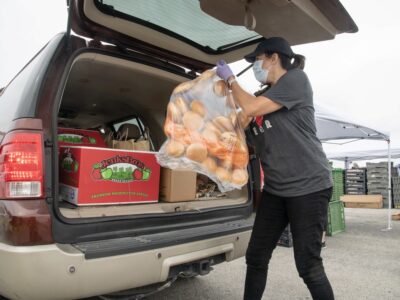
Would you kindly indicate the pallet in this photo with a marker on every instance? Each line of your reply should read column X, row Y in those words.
column 356, row 189
column 355, row 193
column 378, row 181
column 355, row 186
column 354, row 179
column 378, row 165
column 357, row 171
column 377, row 171
column 373, row 186
column 355, row 174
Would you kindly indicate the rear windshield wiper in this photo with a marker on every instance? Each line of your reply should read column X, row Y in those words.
column 244, row 70
column 223, row 47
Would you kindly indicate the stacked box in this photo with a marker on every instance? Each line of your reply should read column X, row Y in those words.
column 99, row 176
column 286, row 238
column 338, row 184
column 378, row 180
column 80, row 137
column 336, row 221
column 396, row 191
column 362, row 201
column 355, row 182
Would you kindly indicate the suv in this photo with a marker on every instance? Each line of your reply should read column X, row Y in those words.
column 118, row 62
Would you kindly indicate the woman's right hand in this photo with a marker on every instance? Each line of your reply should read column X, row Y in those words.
column 224, row 71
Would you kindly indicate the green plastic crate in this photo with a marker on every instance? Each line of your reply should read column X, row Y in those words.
column 336, row 221
column 338, row 184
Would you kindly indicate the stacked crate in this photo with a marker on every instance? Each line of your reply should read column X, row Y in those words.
column 356, row 182
column 378, row 180
column 336, row 220
column 396, row 191
column 338, row 184
column 286, row 238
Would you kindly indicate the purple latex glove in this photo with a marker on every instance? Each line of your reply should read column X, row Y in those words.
column 223, row 70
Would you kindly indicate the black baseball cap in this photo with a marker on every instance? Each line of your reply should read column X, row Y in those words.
column 272, row 44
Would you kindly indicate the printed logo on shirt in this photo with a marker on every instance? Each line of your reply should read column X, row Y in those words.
column 268, row 124
column 259, row 126
column 255, row 131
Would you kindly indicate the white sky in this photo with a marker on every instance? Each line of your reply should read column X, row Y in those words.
column 355, row 75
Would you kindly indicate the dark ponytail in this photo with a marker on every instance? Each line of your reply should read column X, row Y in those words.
column 287, row 63
column 299, row 61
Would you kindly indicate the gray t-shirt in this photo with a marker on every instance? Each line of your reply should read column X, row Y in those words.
column 292, row 157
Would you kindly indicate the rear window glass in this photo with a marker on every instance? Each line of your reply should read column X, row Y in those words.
column 21, row 91
column 182, row 19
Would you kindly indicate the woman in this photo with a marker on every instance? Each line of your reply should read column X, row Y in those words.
column 298, row 183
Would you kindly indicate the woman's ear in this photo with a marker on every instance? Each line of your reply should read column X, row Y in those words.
column 274, row 58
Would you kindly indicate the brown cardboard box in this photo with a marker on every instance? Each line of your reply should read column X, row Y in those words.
column 362, row 201
column 177, row 185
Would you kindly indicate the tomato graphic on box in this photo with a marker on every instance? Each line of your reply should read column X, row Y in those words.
column 122, row 170
column 90, row 176
column 68, row 162
column 80, row 137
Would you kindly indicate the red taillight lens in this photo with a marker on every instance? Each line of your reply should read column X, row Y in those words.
column 21, row 165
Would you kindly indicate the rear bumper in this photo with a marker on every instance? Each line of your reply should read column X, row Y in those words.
column 62, row 272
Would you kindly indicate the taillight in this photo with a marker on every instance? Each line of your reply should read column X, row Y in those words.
column 21, row 165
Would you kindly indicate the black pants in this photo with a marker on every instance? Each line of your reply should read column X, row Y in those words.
column 307, row 217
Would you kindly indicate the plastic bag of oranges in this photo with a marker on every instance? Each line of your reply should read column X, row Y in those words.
column 204, row 134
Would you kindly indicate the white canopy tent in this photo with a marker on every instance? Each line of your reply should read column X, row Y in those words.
column 334, row 129
column 351, row 156
column 331, row 127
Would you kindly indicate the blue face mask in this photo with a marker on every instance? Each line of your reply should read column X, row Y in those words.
column 260, row 74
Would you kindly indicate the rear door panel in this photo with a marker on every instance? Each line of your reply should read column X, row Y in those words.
column 196, row 34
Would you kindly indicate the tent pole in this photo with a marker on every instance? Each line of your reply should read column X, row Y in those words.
column 346, row 163
column 389, row 187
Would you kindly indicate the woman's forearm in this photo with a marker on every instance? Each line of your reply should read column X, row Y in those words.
column 253, row 106
column 243, row 99
column 243, row 119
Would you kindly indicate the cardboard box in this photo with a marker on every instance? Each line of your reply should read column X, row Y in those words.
column 92, row 176
column 362, row 201
column 177, row 185
column 396, row 217
column 80, row 137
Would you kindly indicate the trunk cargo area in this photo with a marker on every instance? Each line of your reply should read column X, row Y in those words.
column 105, row 93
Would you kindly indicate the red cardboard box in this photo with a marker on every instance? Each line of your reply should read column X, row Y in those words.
column 80, row 137
column 92, row 176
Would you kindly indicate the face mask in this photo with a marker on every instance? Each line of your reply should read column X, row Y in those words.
column 260, row 74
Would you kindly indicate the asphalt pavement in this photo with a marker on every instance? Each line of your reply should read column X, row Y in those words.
column 361, row 263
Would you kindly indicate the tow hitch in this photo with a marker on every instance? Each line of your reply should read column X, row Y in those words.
column 188, row 270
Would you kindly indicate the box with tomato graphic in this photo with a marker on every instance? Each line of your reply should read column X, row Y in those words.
column 93, row 176
column 80, row 137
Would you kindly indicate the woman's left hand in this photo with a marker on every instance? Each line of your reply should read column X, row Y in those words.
column 223, row 70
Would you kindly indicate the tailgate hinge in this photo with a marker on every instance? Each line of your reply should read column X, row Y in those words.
column 48, row 143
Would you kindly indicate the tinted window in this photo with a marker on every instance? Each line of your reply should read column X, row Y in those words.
column 18, row 99
column 182, row 18
column 14, row 93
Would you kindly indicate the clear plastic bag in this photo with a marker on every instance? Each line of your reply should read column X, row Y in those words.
column 204, row 133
